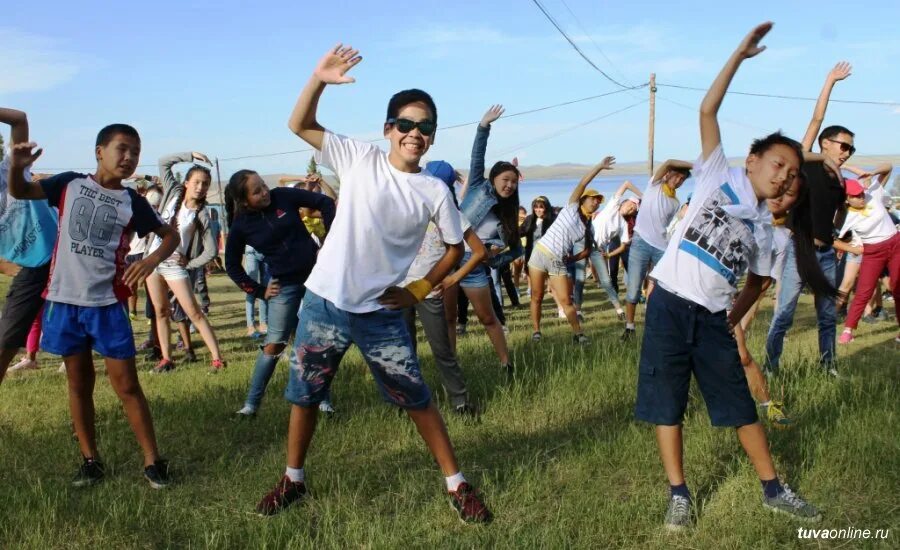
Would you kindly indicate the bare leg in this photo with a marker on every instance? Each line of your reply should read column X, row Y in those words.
column 185, row 296
column 537, row 278
column 81, row 378
column 433, row 431
column 753, row 439
column 562, row 289
column 668, row 438
column 300, row 433
column 157, row 289
column 124, row 380
column 481, row 303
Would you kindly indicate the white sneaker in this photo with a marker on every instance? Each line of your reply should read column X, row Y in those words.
column 247, row 411
column 24, row 364
column 326, row 407
column 562, row 314
column 62, row 368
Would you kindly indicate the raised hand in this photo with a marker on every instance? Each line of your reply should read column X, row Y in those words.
column 396, row 297
column 492, row 114
column 333, row 67
column 22, row 156
column 607, row 163
column 750, row 45
column 200, row 157
column 840, row 71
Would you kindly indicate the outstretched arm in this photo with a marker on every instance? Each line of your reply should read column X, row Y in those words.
column 331, row 69
column 21, row 157
column 710, row 136
column 479, row 147
column 605, row 164
column 838, row 73
column 166, row 163
column 18, row 125
column 628, row 186
column 671, row 164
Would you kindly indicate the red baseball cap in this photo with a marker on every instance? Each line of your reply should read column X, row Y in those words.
column 853, row 187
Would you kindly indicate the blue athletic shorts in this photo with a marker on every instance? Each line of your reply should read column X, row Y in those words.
column 70, row 330
column 682, row 338
column 477, row 278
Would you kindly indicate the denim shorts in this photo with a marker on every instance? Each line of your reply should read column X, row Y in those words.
column 854, row 258
column 69, row 330
column 171, row 270
column 324, row 334
column 642, row 256
column 477, row 278
column 682, row 338
column 542, row 260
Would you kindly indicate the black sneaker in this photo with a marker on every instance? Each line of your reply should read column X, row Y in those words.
column 158, row 474
column 620, row 316
column 90, row 473
column 580, row 339
column 189, row 356
column 466, row 410
column 509, row 370
column 536, row 337
column 164, row 365
column 154, row 353
column 628, row 335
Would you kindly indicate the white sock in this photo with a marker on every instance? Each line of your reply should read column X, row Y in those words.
column 454, row 481
column 295, row 474
column 764, row 405
column 619, row 311
column 629, row 325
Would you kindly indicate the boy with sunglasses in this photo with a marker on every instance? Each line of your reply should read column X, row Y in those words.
column 353, row 297
column 826, row 189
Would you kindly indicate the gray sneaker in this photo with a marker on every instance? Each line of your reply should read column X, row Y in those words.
column 790, row 503
column 678, row 514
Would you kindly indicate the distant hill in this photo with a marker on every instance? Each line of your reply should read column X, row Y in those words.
column 568, row 170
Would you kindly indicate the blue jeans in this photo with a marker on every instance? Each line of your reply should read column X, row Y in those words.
column 257, row 270
column 826, row 314
column 578, row 272
column 283, row 311
column 325, row 334
column 642, row 256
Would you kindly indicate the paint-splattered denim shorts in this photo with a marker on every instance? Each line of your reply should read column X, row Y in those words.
column 324, row 334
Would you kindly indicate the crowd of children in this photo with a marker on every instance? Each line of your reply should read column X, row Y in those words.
column 80, row 245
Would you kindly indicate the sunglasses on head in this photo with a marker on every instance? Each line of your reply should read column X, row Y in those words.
column 405, row 126
column 844, row 146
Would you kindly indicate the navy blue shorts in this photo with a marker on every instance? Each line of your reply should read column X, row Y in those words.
column 681, row 338
column 70, row 330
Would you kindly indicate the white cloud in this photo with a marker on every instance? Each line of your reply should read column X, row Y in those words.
column 32, row 63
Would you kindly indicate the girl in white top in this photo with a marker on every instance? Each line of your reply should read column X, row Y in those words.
column 184, row 207
column 553, row 252
column 869, row 219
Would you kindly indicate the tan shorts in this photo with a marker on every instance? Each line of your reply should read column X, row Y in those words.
column 543, row 260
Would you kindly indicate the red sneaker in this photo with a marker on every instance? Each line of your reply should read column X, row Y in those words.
column 468, row 504
column 285, row 493
column 217, row 366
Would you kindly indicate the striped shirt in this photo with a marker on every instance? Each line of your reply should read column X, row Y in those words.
column 568, row 229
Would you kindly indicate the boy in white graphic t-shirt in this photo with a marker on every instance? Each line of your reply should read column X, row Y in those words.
column 353, row 297
column 89, row 285
column 725, row 235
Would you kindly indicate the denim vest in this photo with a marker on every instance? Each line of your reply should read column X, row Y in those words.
column 480, row 197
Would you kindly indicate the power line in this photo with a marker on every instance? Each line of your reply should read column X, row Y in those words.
column 461, row 125
column 791, row 97
column 577, row 49
column 569, row 129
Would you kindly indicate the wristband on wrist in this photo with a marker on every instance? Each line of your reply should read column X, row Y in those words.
column 419, row 288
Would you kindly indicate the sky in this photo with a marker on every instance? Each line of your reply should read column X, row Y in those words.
column 222, row 77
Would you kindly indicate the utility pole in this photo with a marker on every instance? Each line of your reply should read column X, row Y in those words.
column 651, row 135
column 222, row 223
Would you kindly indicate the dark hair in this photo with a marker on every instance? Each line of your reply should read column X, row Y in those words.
column 801, row 223
column 109, row 132
column 686, row 172
column 197, row 168
column 403, row 98
column 235, row 194
column 507, row 209
column 832, row 131
column 761, row 145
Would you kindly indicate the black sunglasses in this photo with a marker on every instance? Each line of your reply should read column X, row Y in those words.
column 405, row 126
column 844, row 146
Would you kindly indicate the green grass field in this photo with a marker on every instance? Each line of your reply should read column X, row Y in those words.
column 557, row 453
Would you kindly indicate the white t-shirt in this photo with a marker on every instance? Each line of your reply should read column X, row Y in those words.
column 712, row 248
column 655, row 214
column 380, row 223
column 781, row 238
column 430, row 253
column 488, row 231
column 609, row 224
column 186, row 227
column 873, row 225
column 95, row 226
column 567, row 230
